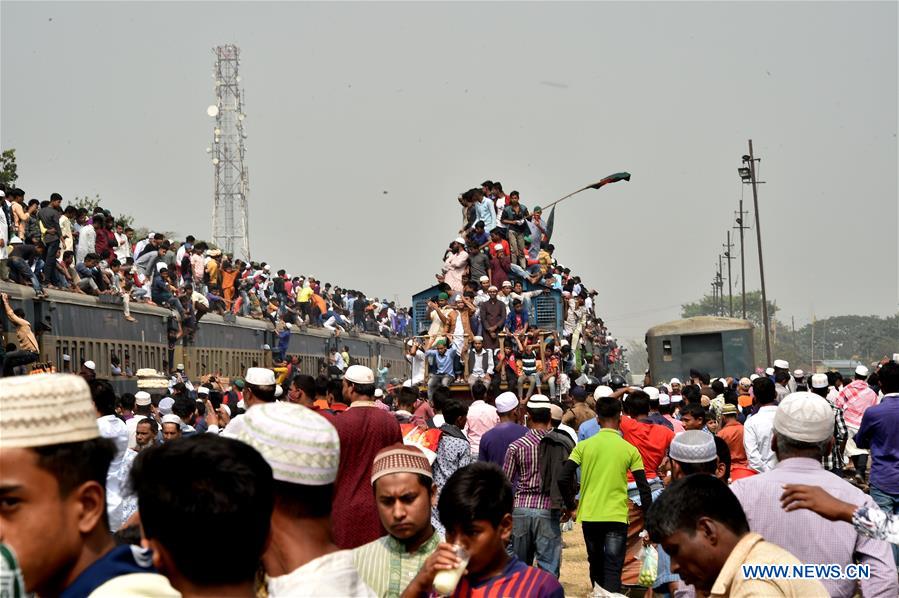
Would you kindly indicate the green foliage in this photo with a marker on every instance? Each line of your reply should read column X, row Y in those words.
column 708, row 307
column 8, row 174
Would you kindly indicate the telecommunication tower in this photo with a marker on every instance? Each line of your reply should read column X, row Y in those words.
column 229, row 210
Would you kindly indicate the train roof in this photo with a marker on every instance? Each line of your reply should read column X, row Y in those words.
column 699, row 325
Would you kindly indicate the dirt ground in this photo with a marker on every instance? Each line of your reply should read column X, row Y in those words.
column 575, row 576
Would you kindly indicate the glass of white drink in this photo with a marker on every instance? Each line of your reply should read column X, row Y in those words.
column 446, row 580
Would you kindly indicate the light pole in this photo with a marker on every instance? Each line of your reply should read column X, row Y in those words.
column 742, row 226
column 730, row 283
column 747, row 173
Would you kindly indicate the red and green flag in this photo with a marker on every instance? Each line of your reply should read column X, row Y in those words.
column 612, row 178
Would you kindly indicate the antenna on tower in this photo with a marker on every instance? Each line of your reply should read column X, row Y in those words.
column 230, row 230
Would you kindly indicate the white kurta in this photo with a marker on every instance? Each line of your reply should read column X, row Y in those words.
column 334, row 574
column 115, row 429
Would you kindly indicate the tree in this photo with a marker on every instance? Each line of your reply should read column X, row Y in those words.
column 8, row 174
column 708, row 307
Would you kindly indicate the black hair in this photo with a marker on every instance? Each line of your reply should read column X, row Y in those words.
column 763, row 390
column 184, row 407
column 209, row 482
column 74, row 463
column 263, row 393
column 406, row 397
column 478, row 391
column 19, row 312
column 781, row 376
column 686, row 500
column 363, row 389
column 691, row 393
column 704, row 377
column 453, row 411
column 608, row 407
column 126, row 401
column 304, row 383
column 637, row 403
column 190, row 238
column 304, row 502
column 103, row 396
column 695, row 410
column 718, row 387
column 55, row 197
column 723, row 452
column 540, row 416
column 477, row 492
column 889, row 377
column 441, row 397
column 335, row 388
column 154, row 425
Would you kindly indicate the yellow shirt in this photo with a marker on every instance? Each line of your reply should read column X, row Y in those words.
column 753, row 549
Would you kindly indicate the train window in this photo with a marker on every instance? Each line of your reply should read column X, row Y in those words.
column 666, row 351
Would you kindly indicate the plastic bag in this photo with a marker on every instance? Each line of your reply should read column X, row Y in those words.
column 649, row 571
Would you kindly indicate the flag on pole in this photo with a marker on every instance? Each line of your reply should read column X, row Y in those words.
column 614, row 178
column 548, row 227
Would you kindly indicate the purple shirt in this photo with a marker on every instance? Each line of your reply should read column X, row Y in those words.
column 523, row 463
column 878, row 432
column 495, row 442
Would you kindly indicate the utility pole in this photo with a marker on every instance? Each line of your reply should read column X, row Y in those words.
column 741, row 224
column 750, row 160
column 720, row 287
column 730, row 281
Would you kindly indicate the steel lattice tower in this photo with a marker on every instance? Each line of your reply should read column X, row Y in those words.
column 229, row 212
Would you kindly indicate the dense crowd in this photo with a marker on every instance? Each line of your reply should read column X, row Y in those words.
column 342, row 487
column 45, row 245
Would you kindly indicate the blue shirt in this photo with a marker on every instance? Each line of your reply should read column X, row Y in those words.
column 587, row 429
column 485, row 213
column 878, row 433
column 443, row 363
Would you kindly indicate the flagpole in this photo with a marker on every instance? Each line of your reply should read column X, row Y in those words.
column 549, row 205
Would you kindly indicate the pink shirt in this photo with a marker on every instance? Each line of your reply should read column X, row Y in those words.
column 675, row 423
column 481, row 419
column 854, row 399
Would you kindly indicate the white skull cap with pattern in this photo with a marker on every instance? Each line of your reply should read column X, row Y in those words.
column 693, row 446
column 359, row 374
column 46, row 409
column 260, row 377
column 804, row 416
column 602, row 391
column 300, row 446
column 652, row 391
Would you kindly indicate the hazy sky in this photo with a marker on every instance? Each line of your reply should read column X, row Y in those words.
column 425, row 100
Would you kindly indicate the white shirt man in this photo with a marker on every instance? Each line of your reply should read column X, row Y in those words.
column 757, row 432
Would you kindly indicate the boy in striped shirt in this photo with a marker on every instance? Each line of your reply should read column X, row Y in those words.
column 476, row 509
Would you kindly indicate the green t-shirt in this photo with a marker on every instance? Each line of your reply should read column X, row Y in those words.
column 605, row 458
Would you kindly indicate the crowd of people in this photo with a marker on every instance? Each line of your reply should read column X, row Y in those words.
column 342, row 487
column 46, row 246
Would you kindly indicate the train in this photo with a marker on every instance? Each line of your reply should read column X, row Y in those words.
column 716, row 345
column 92, row 328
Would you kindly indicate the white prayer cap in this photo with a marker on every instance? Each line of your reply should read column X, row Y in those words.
column 675, row 381
column 804, row 416
column 459, row 240
column 555, row 412
column 497, row 247
column 260, row 377
column 226, row 409
column 478, row 339
column 484, row 279
column 506, row 283
column 15, row 240
column 602, row 391
column 90, row 365
column 798, row 374
column 203, row 390
column 266, row 347
column 492, row 288
column 66, row 357
column 652, row 391
column 782, row 364
column 676, row 398
column 539, row 402
column 506, row 402
column 753, row 377
column 769, row 371
column 664, row 399
column 142, row 398
column 693, row 446
column 165, row 405
column 278, row 391
column 861, row 371
column 407, row 384
column 299, row 445
column 46, row 409
column 379, row 393
column 566, row 293
column 819, row 381
column 745, row 382
column 171, row 418
column 359, row 374
column 160, row 266
column 267, row 268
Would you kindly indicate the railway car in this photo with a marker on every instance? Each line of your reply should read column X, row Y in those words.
column 92, row 328
column 719, row 346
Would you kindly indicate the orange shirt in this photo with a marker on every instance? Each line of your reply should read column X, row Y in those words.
column 732, row 434
column 651, row 440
